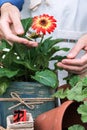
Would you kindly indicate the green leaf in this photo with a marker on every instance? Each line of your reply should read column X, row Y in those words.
column 84, row 81
column 4, row 83
column 76, row 127
column 2, row 45
column 76, row 92
column 7, row 73
column 21, row 50
column 48, row 44
column 64, row 49
column 9, row 58
column 74, row 79
column 26, row 64
column 82, row 109
column 47, row 78
column 61, row 93
column 58, row 58
column 26, row 24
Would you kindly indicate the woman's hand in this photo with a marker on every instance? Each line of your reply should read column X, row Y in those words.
column 73, row 64
column 10, row 25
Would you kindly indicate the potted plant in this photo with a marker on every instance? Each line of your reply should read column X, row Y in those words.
column 74, row 94
column 72, row 113
column 20, row 64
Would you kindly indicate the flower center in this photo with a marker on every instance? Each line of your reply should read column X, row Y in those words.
column 43, row 22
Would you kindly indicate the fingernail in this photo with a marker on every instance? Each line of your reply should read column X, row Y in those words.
column 64, row 60
column 58, row 64
column 20, row 31
column 70, row 55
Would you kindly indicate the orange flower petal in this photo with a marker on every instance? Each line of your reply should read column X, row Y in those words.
column 44, row 23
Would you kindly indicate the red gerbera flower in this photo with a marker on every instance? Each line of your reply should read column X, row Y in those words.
column 44, row 23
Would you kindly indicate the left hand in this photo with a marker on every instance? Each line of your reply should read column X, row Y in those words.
column 73, row 64
column 11, row 26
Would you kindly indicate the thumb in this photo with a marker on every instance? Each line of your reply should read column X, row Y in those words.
column 75, row 50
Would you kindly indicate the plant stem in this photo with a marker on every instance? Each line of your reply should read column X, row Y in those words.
column 42, row 38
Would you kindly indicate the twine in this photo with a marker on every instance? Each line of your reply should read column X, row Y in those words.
column 13, row 95
column 28, row 102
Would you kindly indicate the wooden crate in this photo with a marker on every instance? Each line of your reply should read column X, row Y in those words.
column 26, row 125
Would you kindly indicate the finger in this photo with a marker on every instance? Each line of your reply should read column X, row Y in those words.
column 79, row 62
column 80, row 73
column 14, row 38
column 73, row 62
column 75, row 50
column 8, row 35
column 17, row 24
column 74, row 69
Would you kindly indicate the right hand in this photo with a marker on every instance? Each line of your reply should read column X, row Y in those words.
column 11, row 27
column 72, row 63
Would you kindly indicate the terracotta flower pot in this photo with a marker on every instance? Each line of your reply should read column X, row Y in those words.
column 59, row 118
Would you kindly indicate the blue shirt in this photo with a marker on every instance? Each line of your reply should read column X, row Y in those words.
column 17, row 3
